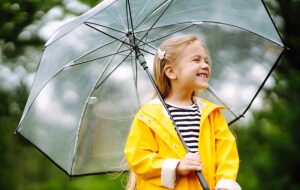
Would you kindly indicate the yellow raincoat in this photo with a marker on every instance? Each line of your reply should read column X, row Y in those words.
column 153, row 139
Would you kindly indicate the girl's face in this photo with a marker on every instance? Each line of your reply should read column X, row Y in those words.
column 192, row 69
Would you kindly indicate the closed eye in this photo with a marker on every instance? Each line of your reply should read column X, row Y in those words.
column 198, row 59
column 206, row 60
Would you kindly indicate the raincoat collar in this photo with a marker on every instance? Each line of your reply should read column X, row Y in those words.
column 155, row 110
column 205, row 107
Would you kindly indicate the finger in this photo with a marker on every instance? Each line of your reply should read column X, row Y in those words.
column 194, row 158
column 194, row 168
column 193, row 163
column 196, row 154
column 199, row 168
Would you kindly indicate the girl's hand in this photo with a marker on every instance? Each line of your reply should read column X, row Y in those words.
column 191, row 162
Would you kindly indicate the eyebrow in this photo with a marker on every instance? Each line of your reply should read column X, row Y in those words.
column 199, row 56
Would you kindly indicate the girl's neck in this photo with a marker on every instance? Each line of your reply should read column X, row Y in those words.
column 180, row 98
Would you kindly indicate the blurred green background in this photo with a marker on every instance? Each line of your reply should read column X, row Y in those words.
column 268, row 139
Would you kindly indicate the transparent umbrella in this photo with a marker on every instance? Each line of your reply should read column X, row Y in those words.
column 90, row 83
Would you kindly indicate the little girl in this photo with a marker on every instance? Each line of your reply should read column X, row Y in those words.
column 155, row 154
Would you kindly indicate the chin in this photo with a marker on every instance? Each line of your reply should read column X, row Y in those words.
column 202, row 86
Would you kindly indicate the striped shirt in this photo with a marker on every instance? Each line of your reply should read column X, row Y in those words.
column 187, row 120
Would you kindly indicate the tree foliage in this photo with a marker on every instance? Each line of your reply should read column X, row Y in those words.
column 14, row 17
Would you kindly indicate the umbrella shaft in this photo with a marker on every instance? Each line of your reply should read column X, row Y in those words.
column 202, row 180
column 142, row 61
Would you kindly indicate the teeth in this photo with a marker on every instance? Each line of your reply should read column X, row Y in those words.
column 202, row 75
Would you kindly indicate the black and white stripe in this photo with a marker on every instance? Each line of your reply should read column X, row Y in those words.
column 187, row 120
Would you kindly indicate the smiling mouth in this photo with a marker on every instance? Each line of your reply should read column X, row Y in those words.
column 203, row 75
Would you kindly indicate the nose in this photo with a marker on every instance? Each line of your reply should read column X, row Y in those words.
column 204, row 65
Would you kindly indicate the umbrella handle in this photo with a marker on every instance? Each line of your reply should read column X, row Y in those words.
column 202, row 180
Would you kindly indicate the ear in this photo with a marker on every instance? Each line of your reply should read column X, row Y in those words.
column 169, row 71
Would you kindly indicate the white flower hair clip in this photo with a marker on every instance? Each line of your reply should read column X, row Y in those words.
column 161, row 54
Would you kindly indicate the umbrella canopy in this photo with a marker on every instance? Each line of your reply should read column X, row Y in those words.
column 89, row 84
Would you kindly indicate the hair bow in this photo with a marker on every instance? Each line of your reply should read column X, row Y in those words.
column 161, row 54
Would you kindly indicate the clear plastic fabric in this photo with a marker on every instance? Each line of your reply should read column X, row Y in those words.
column 89, row 84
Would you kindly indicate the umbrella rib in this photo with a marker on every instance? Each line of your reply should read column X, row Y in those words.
column 129, row 44
column 260, row 87
column 215, row 22
column 106, row 27
column 130, row 16
column 77, row 25
column 179, row 23
column 99, row 58
column 241, row 28
column 132, row 30
column 86, row 23
column 61, row 69
column 147, row 43
column 91, row 52
column 135, row 76
column 150, row 13
column 211, row 90
column 110, row 61
column 272, row 21
column 127, row 15
column 156, row 21
column 113, row 70
column 170, row 34
column 84, row 110
column 147, row 51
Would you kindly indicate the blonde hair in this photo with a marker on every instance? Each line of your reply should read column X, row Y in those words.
column 131, row 183
column 173, row 48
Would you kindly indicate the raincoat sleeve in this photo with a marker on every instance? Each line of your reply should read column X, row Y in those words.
column 141, row 154
column 227, row 159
